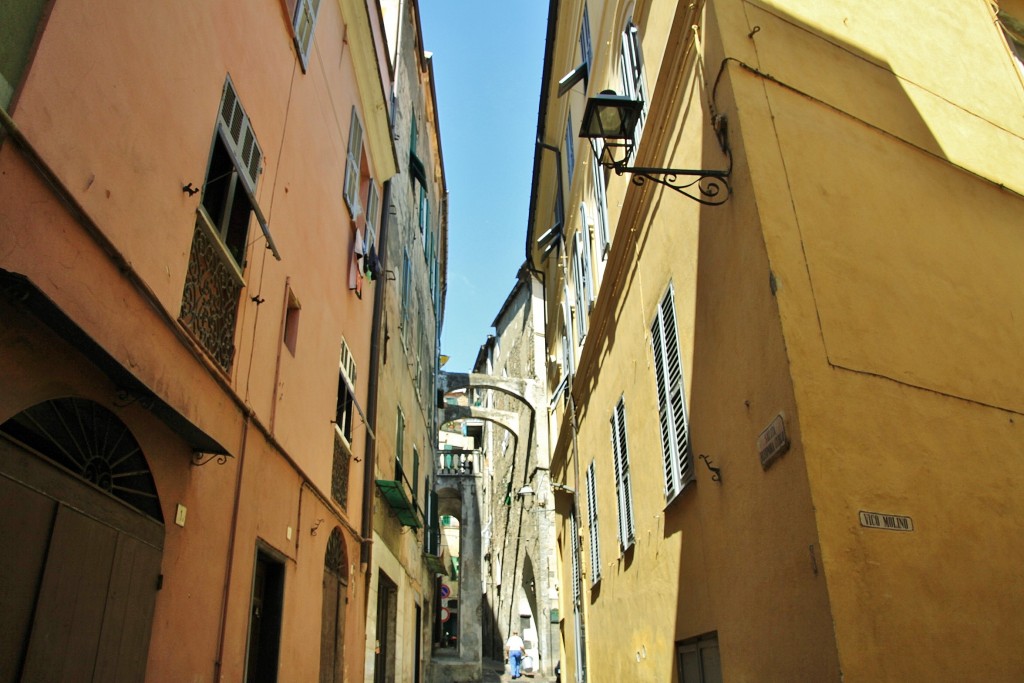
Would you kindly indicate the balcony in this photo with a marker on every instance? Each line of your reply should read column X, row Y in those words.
column 457, row 462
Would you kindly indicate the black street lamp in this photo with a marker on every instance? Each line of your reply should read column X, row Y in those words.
column 612, row 120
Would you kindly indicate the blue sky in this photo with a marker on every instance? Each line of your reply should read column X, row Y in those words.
column 487, row 63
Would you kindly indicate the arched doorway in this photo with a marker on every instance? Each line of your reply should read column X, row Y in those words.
column 81, row 540
column 332, row 624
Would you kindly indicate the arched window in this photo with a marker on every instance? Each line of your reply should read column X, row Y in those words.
column 91, row 442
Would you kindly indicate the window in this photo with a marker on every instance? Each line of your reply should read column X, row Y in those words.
column 575, row 540
column 559, row 206
column 698, row 660
column 586, row 50
column 601, row 202
column 214, row 280
column 20, row 27
column 595, row 544
column 570, row 149
column 623, row 486
column 303, row 23
column 581, row 277
column 568, row 352
column 634, row 82
column 228, row 198
column 668, row 370
column 424, row 211
column 346, row 393
column 372, row 210
column 415, row 471
column 353, row 165
column 399, row 445
column 406, row 284
column 343, row 425
column 1013, row 29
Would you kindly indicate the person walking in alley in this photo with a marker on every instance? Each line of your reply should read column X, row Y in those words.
column 514, row 652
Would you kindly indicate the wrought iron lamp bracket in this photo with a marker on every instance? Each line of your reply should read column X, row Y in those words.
column 706, row 187
column 199, row 459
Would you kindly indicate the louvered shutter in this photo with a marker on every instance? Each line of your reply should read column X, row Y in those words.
column 586, row 50
column 575, row 560
column 570, row 149
column 677, row 395
column 671, row 398
column 305, row 20
column 601, row 202
column 632, row 72
column 355, row 153
column 595, row 544
column 568, row 350
column 623, row 486
column 239, row 137
column 580, row 282
column 588, row 275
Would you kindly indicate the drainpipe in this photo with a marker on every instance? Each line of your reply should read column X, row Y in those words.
column 370, row 464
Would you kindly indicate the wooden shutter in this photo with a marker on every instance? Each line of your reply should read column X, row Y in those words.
column 671, row 398
column 601, row 202
column 588, row 274
column 305, row 19
column 586, row 50
column 355, row 153
column 623, row 486
column 415, row 471
column 595, row 544
column 575, row 559
column 399, row 444
column 570, row 149
column 581, row 276
column 239, row 137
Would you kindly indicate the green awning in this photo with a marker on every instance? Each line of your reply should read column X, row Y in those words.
column 394, row 494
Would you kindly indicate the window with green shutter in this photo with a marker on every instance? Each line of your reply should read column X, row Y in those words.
column 19, row 24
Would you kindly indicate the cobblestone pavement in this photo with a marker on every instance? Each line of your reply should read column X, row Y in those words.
column 497, row 672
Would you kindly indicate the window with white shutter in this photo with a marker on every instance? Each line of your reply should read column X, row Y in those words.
column 570, row 149
column 595, row 542
column 352, row 165
column 668, row 371
column 568, row 351
column 304, row 23
column 634, row 81
column 601, row 203
column 214, row 279
column 623, row 486
column 581, row 279
column 575, row 560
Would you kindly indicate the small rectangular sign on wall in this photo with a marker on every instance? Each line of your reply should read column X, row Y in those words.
column 880, row 520
column 773, row 441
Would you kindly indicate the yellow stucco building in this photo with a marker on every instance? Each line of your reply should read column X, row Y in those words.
column 788, row 414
